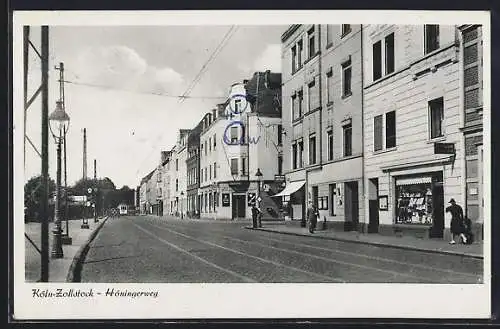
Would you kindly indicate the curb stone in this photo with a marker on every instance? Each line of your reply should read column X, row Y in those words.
column 76, row 264
column 378, row 244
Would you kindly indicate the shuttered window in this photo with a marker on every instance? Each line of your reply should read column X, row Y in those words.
column 377, row 133
column 390, row 129
column 377, row 60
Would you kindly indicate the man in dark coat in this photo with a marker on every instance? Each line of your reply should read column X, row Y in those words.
column 457, row 221
column 312, row 216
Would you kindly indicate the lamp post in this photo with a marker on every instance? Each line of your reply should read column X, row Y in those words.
column 96, row 220
column 182, row 197
column 259, row 175
column 66, row 239
column 59, row 121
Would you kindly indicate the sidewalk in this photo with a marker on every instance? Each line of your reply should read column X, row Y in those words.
column 58, row 268
column 474, row 250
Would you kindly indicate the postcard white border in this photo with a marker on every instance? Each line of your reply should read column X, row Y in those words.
column 177, row 301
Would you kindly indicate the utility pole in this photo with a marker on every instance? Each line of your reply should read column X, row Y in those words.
column 44, row 209
column 84, row 153
column 95, row 192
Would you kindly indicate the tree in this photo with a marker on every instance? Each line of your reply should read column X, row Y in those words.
column 33, row 197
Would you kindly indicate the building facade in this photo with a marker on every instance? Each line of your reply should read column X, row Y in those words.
column 413, row 155
column 193, row 172
column 322, row 121
column 471, row 73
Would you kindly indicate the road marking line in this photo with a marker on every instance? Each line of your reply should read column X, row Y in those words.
column 252, row 256
column 368, row 257
column 244, row 278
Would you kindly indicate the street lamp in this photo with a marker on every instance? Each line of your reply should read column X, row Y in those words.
column 59, row 122
column 182, row 197
column 259, row 177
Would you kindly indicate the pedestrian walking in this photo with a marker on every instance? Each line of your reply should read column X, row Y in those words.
column 312, row 216
column 457, row 221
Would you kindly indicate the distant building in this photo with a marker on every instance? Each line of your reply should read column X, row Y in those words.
column 193, row 171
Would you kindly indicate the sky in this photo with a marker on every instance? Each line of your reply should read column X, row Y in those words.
column 127, row 122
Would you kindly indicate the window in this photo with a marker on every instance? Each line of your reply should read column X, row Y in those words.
column 176, row 185
column 431, row 38
column 346, row 79
column 346, row 28
column 294, row 59
column 295, row 113
column 313, row 95
column 348, row 140
column 234, row 134
column 329, row 35
column 280, row 164
column 436, row 117
column 210, row 144
column 389, row 53
column 210, row 171
column 234, row 166
column 377, row 132
column 377, row 60
column 201, row 153
column 206, row 174
column 280, row 135
column 237, row 106
column 215, row 169
column 301, row 154
column 206, row 147
column 244, row 167
column 300, row 46
column 390, row 129
column 176, row 164
column 329, row 86
column 312, row 149
column 294, row 156
column 215, row 142
column 300, row 95
column 312, row 42
column 330, row 144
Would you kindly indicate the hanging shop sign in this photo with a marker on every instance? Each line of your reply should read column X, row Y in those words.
column 444, row 148
column 225, row 200
column 279, row 178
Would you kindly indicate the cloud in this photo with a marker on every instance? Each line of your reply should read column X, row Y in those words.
column 269, row 59
column 122, row 67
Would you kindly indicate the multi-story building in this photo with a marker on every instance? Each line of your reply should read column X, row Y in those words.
column 193, row 171
column 471, row 74
column 322, row 121
column 178, row 176
column 144, row 194
column 210, row 156
column 241, row 135
column 163, row 182
column 413, row 155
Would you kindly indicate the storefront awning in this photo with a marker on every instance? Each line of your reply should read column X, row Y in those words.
column 414, row 181
column 291, row 188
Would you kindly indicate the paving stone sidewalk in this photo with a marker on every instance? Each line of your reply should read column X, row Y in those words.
column 474, row 250
column 58, row 268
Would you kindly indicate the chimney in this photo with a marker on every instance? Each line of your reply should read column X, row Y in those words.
column 245, row 81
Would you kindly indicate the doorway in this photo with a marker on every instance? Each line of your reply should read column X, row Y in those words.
column 373, row 205
column 315, row 196
column 239, row 206
column 351, row 206
column 437, row 228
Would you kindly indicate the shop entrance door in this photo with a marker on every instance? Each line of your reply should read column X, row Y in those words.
column 238, row 210
column 373, row 205
column 351, row 206
column 438, row 211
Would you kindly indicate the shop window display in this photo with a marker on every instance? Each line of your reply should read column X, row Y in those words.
column 414, row 204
